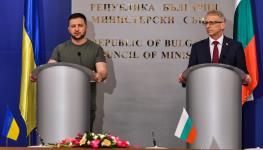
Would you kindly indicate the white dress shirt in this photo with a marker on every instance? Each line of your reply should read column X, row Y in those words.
column 211, row 45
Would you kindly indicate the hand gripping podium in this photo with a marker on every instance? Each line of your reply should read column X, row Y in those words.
column 63, row 100
column 213, row 93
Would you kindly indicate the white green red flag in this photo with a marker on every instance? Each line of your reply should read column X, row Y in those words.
column 185, row 129
column 244, row 32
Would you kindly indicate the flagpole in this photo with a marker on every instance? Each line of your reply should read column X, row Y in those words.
column 29, row 139
column 6, row 142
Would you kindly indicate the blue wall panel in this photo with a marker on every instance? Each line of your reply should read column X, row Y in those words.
column 53, row 29
column 253, row 110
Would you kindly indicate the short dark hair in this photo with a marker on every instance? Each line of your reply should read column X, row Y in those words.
column 77, row 15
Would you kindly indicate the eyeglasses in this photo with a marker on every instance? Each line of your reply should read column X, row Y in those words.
column 211, row 22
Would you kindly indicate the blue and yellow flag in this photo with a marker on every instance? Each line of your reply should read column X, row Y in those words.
column 30, row 58
column 10, row 128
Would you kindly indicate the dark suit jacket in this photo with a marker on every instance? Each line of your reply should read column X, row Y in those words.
column 232, row 53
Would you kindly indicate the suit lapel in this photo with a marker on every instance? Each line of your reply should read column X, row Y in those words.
column 207, row 51
column 225, row 49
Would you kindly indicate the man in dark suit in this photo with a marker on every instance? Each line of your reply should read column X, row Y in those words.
column 217, row 48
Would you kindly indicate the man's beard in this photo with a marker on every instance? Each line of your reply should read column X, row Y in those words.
column 78, row 38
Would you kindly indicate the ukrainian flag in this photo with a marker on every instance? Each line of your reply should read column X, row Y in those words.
column 30, row 58
column 10, row 128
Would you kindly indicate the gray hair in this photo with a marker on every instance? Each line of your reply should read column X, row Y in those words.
column 217, row 13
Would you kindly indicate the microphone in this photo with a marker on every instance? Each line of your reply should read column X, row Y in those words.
column 154, row 141
column 79, row 55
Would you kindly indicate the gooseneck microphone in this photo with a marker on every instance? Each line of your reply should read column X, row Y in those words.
column 79, row 55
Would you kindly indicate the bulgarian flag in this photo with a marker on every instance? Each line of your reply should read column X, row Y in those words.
column 244, row 32
column 185, row 129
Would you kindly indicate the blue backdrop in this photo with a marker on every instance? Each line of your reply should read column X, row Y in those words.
column 53, row 30
column 252, row 111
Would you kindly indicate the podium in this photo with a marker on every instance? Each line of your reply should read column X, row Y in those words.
column 63, row 100
column 213, row 101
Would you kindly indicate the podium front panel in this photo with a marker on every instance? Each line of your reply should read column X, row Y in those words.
column 63, row 103
column 214, row 105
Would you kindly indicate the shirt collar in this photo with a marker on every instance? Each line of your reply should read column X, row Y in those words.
column 220, row 40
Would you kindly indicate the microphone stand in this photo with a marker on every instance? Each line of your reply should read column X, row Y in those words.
column 40, row 139
column 155, row 143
